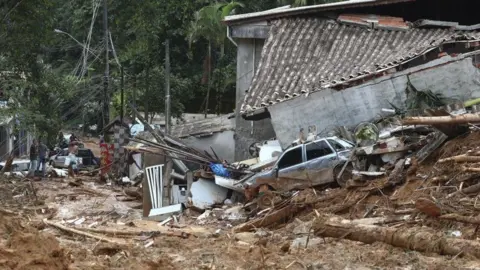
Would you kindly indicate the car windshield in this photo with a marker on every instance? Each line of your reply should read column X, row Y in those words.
column 345, row 143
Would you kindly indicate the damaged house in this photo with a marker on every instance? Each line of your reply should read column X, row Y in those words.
column 339, row 64
column 215, row 133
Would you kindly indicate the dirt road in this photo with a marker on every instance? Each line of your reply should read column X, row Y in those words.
column 29, row 243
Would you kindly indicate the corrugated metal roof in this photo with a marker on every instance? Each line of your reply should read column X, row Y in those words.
column 203, row 127
column 284, row 11
column 307, row 54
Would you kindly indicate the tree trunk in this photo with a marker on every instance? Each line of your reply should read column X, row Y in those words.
column 147, row 92
column 407, row 238
column 8, row 164
column 209, row 76
column 134, row 93
column 152, row 116
column 431, row 120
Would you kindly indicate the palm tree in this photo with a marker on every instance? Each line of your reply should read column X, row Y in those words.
column 208, row 25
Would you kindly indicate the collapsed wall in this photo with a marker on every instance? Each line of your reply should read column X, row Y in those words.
column 454, row 77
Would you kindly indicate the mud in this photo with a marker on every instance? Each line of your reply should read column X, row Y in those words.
column 27, row 243
column 23, row 247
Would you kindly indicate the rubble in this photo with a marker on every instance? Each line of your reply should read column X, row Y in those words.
column 412, row 189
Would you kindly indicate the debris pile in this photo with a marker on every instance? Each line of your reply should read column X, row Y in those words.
column 427, row 207
column 16, row 192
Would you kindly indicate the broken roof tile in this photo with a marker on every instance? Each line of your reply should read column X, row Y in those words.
column 376, row 20
column 203, row 127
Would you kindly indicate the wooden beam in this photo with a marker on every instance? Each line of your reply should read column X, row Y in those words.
column 435, row 120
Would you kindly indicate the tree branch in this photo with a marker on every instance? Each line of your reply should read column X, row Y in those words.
column 10, row 10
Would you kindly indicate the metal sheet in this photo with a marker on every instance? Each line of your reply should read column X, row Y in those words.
column 160, row 214
column 228, row 183
column 206, row 193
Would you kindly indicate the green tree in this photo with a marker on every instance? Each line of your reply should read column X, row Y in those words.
column 36, row 93
column 54, row 81
column 208, row 25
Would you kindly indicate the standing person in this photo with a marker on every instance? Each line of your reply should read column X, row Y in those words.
column 62, row 143
column 73, row 138
column 73, row 165
column 42, row 157
column 33, row 158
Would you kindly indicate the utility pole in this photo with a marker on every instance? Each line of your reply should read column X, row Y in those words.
column 168, row 160
column 134, row 94
column 106, row 113
column 122, row 102
column 167, row 87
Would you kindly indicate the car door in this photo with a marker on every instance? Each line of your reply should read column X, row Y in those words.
column 320, row 161
column 291, row 164
column 60, row 159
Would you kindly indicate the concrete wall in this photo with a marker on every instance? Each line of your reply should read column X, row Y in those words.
column 248, row 132
column 453, row 77
column 221, row 142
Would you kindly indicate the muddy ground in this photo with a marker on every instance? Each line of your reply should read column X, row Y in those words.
column 27, row 242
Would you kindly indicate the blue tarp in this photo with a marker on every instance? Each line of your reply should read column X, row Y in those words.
column 219, row 170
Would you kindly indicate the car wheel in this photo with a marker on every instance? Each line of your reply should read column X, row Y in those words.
column 346, row 175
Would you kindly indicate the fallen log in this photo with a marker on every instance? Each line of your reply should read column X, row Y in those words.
column 469, row 190
column 469, row 177
column 472, row 189
column 470, row 169
column 380, row 220
column 433, row 120
column 460, row 158
column 114, row 232
column 460, row 218
column 473, row 153
column 408, row 238
column 8, row 212
column 74, row 231
column 268, row 220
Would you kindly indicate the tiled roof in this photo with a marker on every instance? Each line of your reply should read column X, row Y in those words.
column 203, row 127
column 303, row 55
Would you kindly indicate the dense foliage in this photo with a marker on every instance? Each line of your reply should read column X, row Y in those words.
column 53, row 51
